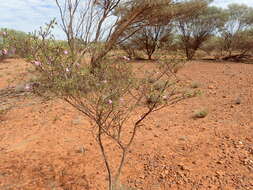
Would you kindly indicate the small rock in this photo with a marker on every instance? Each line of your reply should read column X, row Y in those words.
column 219, row 162
column 81, row 150
column 220, row 173
column 238, row 101
column 183, row 138
column 183, row 167
column 142, row 177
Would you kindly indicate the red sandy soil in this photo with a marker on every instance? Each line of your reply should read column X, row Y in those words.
column 42, row 142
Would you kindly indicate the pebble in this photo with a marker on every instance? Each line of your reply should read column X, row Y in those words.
column 238, row 101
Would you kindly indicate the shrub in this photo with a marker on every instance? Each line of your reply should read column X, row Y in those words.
column 105, row 90
column 212, row 46
column 108, row 94
column 195, row 85
column 201, row 113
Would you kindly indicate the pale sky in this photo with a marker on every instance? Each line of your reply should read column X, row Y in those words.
column 28, row 15
column 224, row 3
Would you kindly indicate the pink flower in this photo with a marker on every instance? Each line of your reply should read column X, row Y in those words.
column 126, row 58
column 37, row 63
column 110, row 101
column 4, row 51
column 4, row 33
column 104, row 81
column 165, row 97
column 27, row 87
column 121, row 99
column 65, row 52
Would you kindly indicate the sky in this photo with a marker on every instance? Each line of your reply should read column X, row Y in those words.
column 224, row 3
column 29, row 15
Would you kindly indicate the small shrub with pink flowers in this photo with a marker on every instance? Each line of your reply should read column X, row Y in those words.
column 112, row 96
column 20, row 44
column 14, row 43
column 3, row 46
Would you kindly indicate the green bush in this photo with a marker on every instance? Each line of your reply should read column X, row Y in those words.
column 195, row 85
column 201, row 113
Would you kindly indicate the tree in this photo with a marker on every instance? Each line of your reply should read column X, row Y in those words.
column 239, row 19
column 108, row 20
column 240, row 46
column 147, row 34
column 96, row 20
column 148, row 39
column 196, row 29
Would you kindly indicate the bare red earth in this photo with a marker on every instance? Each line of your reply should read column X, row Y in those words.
column 47, row 145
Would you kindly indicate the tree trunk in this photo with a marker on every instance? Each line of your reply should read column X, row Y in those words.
column 100, row 143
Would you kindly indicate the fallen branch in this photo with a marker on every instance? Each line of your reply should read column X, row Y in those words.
column 236, row 58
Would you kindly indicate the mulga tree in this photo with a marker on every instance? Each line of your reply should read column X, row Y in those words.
column 147, row 34
column 94, row 21
column 240, row 48
column 148, row 39
column 197, row 28
column 239, row 19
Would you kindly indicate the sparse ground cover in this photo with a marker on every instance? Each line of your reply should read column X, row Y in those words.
column 46, row 144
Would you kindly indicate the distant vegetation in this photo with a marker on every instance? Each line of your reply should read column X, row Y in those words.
column 225, row 34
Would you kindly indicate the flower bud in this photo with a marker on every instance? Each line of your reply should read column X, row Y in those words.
column 37, row 63
column 27, row 87
column 4, row 51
